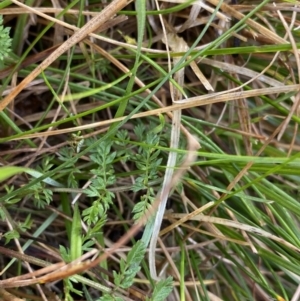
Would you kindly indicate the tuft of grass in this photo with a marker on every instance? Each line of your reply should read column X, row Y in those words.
column 103, row 134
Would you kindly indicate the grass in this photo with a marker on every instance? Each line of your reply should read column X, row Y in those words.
column 157, row 159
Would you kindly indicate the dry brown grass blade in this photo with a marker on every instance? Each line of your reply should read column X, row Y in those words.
column 234, row 224
column 29, row 278
column 186, row 218
column 295, row 107
column 174, row 42
column 6, row 296
column 50, row 272
column 45, row 10
column 174, row 140
column 276, row 39
column 108, row 12
column 24, row 257
column 184, row 104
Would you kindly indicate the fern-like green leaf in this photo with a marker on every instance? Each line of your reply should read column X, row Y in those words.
column 162, row 290
column 5, row 40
